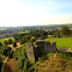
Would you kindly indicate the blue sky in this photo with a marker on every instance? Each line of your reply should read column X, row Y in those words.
column 35, row 12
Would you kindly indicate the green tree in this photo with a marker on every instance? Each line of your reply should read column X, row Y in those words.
column 66, row 30
column 5, row 42
column 10, row 41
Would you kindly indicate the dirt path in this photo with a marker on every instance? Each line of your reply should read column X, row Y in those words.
column 4, row 63
column 9, row 64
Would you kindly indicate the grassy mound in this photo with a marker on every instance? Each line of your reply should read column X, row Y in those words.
column 54, row 63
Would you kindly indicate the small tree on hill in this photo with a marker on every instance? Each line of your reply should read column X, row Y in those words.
column 66, row 30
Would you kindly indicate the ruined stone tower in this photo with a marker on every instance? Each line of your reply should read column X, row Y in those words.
column 41, row 48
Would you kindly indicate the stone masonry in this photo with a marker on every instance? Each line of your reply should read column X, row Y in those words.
column 41, row 48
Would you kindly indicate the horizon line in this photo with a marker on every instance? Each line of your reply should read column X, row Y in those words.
column 37, row 25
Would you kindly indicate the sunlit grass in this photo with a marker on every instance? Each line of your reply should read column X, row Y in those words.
column 61, row 42
column 7, row 38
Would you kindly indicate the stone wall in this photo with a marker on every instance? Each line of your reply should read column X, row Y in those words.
column 41, row 48
column 46, row 46
column 30, row 52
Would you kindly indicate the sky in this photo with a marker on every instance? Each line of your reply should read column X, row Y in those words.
column 35, row 12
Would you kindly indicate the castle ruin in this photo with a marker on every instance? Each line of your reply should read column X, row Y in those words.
column 41, row 48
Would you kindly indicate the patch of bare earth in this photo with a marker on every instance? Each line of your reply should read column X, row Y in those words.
column 10, row 66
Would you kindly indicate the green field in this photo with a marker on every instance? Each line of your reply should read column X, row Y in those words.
column 61, row 42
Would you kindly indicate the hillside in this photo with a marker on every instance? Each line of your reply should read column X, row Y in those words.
column 54, row 63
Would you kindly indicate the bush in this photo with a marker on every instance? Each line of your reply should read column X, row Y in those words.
column 22, row 62
column 5, row 42
column 10, row 41
column 23, row 41
column 66, row 31
column 6, row 51
column 1, row 44
column 14, row 44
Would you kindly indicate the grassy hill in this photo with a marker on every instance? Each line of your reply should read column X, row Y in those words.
column 61, row 42
column 54, row 63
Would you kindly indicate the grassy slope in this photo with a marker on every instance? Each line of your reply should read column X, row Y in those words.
column 54, row 63
column 7, row 38
column 62, row 42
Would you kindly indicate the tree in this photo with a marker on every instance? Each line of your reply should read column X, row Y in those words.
column 57, row 33
column 14, row 44
column 25, row 39
column 10, row 41
column 6, row 51
column 66, row 31
column 5, row 42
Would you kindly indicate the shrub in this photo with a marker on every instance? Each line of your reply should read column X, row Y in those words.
column 10, row 41
column 14, row 44
column 54, row 63
column 22, row 62
column 6, row 51
column 1, row 44
column 5, row 42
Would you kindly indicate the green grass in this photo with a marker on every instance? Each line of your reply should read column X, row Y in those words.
column 61, row 42
column 7, row 38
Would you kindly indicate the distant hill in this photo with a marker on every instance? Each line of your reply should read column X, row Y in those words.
column 24, row 28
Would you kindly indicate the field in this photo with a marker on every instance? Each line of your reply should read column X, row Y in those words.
column 61, row 42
